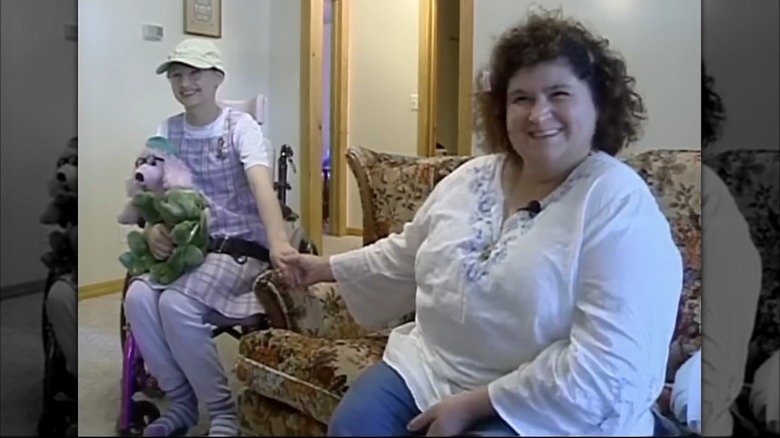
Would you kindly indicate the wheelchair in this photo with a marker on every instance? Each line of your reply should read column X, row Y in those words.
column 60, row 387
column 136, row 414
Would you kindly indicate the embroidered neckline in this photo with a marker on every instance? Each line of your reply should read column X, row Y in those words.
column 487, row 246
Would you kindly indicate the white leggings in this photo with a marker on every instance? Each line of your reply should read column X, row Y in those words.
column 176, row 343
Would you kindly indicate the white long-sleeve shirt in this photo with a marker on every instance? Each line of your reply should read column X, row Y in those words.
column 565, row 317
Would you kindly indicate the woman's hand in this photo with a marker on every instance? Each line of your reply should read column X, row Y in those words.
column 308, row 269
column 454, row 415
column 279, row 251
column 159, row 240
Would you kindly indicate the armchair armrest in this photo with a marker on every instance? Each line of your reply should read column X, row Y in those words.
column 316, row 311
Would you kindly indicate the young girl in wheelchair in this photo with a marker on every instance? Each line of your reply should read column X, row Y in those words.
column 231, row 164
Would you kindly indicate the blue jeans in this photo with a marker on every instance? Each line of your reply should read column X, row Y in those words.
column 380, row 404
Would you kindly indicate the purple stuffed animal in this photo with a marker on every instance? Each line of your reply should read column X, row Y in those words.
column 157, row 169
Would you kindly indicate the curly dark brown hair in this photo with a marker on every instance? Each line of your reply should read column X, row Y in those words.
column 712, row 111
column 546, row 36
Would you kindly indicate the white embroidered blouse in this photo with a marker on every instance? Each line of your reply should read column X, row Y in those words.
column 566, row 316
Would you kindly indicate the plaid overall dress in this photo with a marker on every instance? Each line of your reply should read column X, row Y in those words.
column 220, row 283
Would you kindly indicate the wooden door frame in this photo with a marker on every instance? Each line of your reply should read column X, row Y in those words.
column 428, row 78
column 312, row 13
column 311, row 103
column 339, row 116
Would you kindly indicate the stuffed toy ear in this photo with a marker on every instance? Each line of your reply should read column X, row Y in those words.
column 176, row 175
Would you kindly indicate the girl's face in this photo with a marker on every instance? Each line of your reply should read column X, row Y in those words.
column 192, row 86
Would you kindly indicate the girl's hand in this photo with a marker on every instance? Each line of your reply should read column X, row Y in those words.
column 279, row 252
column 159, row 240
column 309, row 269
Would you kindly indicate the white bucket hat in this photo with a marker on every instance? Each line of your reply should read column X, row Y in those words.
column 195, row 52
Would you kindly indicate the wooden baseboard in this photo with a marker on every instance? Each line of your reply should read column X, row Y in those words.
column 358, row 232
column 21, row 289
column 100, row 289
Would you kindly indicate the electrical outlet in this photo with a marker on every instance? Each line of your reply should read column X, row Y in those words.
column 124, row 230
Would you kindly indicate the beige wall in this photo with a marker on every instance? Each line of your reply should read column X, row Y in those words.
column 383, row 77
column 121, row 100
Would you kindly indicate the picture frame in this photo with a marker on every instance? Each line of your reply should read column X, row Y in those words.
column 203, row 17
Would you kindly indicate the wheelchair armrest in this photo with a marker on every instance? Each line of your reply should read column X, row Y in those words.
column 315, row 311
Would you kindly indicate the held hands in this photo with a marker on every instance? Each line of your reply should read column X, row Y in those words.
column 308, row 269
column 280, row 250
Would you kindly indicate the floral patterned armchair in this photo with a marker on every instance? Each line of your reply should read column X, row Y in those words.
column 294, row 374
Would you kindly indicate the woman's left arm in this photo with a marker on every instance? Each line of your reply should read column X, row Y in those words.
column 256, row 156
column 607, row 374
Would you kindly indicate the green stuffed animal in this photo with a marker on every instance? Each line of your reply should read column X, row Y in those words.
column 160, row 191
column 146, row 204
column 183, row 211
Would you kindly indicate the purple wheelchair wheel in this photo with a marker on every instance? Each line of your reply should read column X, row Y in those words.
column 134, row 415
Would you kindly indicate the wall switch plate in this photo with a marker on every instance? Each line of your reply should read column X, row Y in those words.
column 152, row 32
column 415, row 102
column 71, row 32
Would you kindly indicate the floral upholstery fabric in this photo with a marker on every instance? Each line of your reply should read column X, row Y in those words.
column 262, row 416
column 392, row 187
column 309, row 374
column 319, row 311
column 298, row 370
column 752, row 177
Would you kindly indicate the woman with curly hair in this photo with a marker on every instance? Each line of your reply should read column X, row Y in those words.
column 543, row 274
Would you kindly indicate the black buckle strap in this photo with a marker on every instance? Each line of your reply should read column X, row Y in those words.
column 239, row 249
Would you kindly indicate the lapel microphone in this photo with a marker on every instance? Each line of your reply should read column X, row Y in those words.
column 533, row 208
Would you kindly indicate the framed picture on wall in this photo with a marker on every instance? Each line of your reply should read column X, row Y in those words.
column 203, row 17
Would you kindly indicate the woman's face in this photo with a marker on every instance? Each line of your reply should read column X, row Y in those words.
column 192, row 86
column 550, row 113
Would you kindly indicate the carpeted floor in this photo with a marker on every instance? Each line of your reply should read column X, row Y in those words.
column 100, row 358
column 21, row 367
